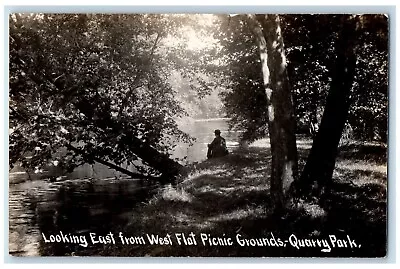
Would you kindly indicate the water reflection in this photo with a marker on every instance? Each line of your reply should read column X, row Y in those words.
column 74, row 206
column 79, row 204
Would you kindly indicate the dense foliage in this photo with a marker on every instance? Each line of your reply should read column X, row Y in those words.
column 244, row 97
column 86, row 86
column 309, row 43
column 96, row 85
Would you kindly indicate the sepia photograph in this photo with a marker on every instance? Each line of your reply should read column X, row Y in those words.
column 198, row 135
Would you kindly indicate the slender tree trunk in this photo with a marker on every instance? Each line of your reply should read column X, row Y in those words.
column 321, row 160
column 281, row 120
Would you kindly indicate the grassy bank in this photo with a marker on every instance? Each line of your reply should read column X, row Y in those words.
column 229, row 196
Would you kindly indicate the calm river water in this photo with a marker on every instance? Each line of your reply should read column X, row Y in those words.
column 91, row 198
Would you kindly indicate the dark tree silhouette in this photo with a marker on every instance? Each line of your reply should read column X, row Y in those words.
column 321, row 160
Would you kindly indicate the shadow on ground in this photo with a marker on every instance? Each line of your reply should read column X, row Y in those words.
column 229, row 197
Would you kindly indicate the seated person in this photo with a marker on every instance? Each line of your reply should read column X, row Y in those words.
column 217, row 148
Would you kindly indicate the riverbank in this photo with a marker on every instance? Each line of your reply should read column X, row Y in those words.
column 221, row 209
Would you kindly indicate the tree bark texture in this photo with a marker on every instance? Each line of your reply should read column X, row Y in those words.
column 281, row 120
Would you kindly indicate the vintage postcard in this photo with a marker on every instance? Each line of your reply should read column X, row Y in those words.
column 198, row 135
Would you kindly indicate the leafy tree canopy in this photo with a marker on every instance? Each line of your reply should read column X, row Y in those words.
column 98, row 85
column 309, row 45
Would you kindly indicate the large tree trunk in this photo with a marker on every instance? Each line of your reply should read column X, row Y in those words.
column 111, row 165
column 148, row 154
column 321, row 160
column 159, row 161
column 168, row 168
column 281, row 120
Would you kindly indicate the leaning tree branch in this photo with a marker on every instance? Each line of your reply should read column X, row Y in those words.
column 109, row 164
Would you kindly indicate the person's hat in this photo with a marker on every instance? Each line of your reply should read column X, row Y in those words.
column 217, row 132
